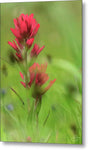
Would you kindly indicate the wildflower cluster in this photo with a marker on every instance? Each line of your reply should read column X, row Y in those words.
column 26, row 27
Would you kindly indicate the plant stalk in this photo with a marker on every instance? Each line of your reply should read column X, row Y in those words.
column 26, row 81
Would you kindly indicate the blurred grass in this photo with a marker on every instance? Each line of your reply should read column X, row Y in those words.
column 61, row 33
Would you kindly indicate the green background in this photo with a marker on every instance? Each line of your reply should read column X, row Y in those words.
column 61, row 33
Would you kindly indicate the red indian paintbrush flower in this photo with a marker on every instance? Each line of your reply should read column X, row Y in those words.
column 38, row 77
column 25, row 30
column 26, row 27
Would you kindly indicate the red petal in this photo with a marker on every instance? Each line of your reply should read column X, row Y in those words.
column 19, row 44
column 34, row 50
column 40, row 50
column 31, row 79
column 13, row 45
column 50, row 84
column 23, row 84
column 19, row 56
column 23, row 27
column 30, row 42
column 21, row 75
column 41, row 78
column 30, row 18
column 35, row 30
column 15, row 23
column 16, row 33
column 45, row 79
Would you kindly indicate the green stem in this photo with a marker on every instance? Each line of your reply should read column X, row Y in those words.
column 26, row 77
column 26, row 81
column 37, row 121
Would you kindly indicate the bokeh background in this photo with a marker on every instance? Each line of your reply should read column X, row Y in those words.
column 61, row 33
